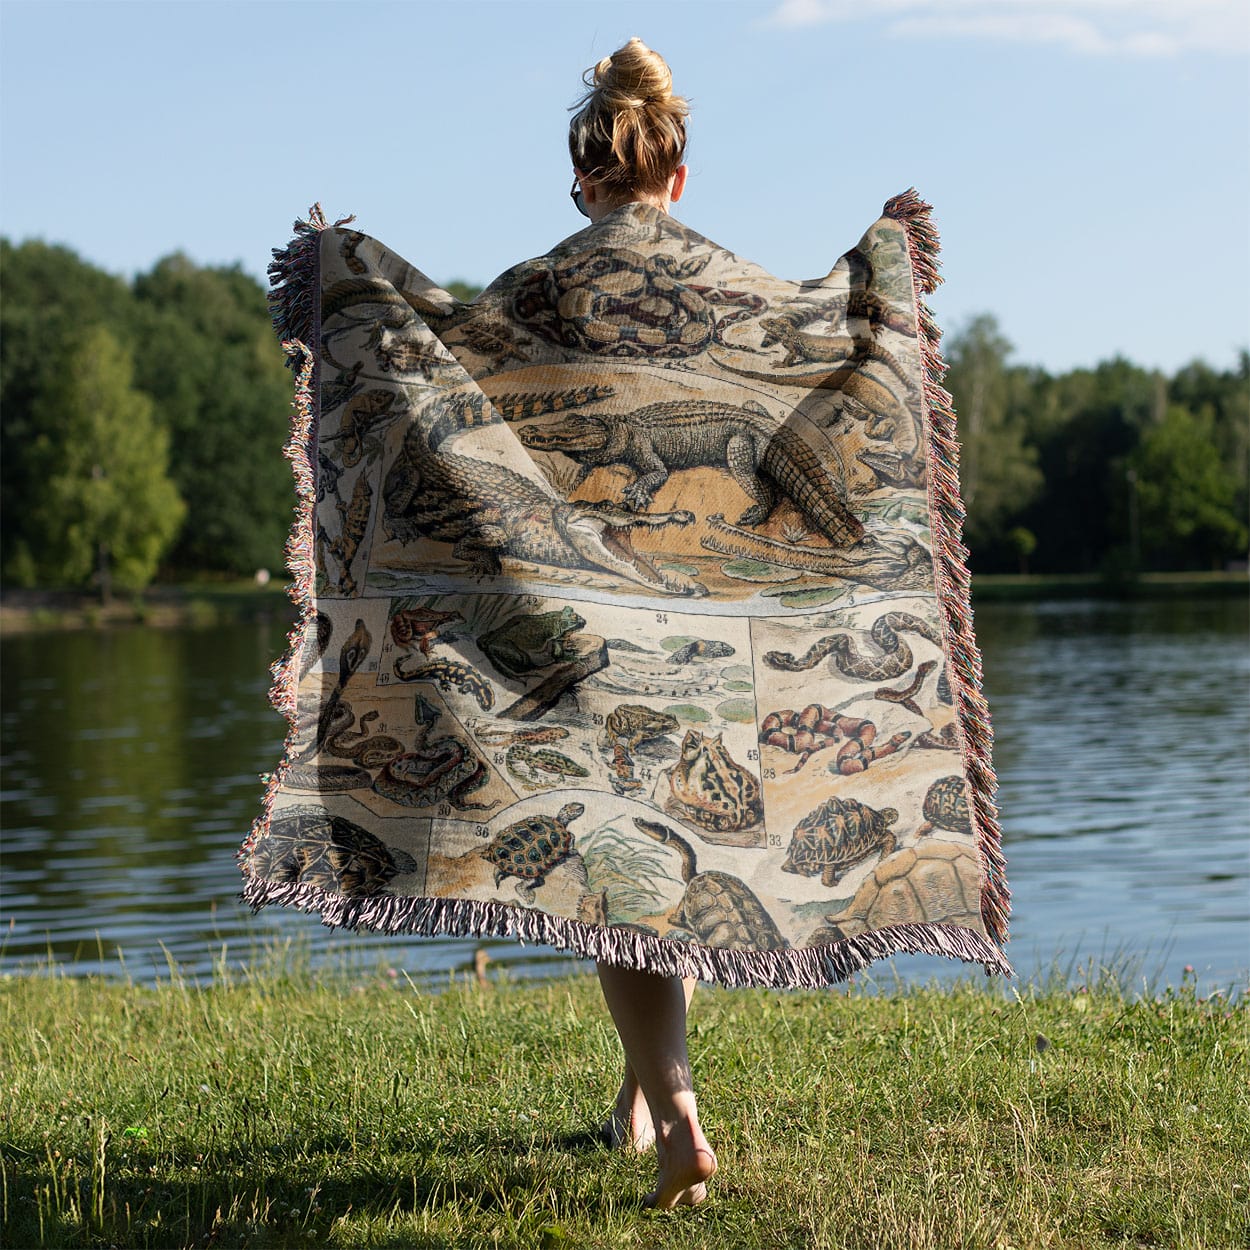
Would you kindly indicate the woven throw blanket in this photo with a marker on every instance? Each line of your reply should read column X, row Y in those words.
column 635, row 619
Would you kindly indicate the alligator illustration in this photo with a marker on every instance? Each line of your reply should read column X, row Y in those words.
column 898, row 562
column 491, row 512
column 762, row 454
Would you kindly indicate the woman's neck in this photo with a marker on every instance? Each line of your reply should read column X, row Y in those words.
column 602, row 207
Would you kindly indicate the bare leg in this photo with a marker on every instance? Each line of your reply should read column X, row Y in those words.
column 629, row 1125
column 650, row 1015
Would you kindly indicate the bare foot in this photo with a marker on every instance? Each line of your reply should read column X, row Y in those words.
column 629, row 1126
column 686, row 1165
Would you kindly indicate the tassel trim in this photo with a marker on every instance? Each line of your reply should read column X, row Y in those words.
column 806, row 968
column 295, row 307
column 950, row 563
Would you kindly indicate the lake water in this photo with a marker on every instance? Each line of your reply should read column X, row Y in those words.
column 130, row 774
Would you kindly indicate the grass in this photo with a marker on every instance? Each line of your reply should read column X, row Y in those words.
column 287, row 1109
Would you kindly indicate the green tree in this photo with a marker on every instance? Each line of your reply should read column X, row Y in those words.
column 104, row 502
column 1222, row 397
column 1085, row 424
column 50, row 296
column 1186, row 495
column 464, row 291
column 208, row 356
column 997, row 467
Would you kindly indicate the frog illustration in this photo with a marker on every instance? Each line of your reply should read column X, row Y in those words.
column 626, row 728
column 632, row 724
column 525, row 643
column 709, row 787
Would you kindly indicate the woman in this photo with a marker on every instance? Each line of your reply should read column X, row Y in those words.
column 558, row 556
column 627, row 141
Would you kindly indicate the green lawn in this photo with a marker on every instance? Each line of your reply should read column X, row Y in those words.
column 289, row 1110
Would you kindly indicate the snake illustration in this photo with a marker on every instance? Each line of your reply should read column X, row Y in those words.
column 895, row 655
column 618, row 302
column 436, row 770
column 363, row 748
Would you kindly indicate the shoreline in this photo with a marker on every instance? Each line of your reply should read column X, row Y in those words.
column 200, row 605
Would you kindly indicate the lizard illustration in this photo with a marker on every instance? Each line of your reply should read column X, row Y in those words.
column 827, row 349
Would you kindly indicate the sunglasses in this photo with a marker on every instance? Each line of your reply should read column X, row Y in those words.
column 576, row 196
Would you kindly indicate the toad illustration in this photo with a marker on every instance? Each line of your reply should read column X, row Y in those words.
column 708, row 787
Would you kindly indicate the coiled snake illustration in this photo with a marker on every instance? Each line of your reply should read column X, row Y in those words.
column 895, row 655
column 616, row 302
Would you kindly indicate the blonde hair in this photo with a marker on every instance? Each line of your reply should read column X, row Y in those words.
column 629, row 132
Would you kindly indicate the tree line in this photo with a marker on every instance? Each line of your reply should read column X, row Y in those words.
column 143, row 423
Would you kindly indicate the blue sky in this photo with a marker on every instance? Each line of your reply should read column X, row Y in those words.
column 1088, row 160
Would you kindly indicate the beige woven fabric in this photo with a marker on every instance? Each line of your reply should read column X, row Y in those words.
column 635, row 619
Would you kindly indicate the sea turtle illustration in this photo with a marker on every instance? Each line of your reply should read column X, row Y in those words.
column 309, row 846
column 531, row 848
column 719, row 909
column 829, row 841
column 946, row 807
column 929, row 883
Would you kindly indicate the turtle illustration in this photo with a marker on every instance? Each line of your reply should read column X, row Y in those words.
column 829, row 841
column 930, row 883
column 718, row 909
column 946, row 807
column 532, row 847
column 310, row 846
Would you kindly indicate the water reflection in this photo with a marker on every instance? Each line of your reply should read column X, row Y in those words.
column 131, row 759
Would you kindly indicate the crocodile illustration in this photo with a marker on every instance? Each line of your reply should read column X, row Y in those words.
column 491, row 512
column 895, row 563
column 763, row 455
column 518, row 405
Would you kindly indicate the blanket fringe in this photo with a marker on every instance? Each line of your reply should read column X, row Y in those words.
column 806, row 968
column 294, row 304
column 950, row 562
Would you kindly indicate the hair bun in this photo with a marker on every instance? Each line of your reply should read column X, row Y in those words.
column 629, row 130
column 634, row 76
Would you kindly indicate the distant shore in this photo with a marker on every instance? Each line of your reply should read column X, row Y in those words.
column 178, row 605
column 203, row 604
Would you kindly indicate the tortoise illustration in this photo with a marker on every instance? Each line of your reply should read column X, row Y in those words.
column 946, row 807
column 930, row 883
column 308, row 845
column 532, row 847
column 718, row 909
column 829, row 841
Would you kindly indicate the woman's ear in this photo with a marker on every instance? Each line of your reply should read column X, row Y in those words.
column 678, row 185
